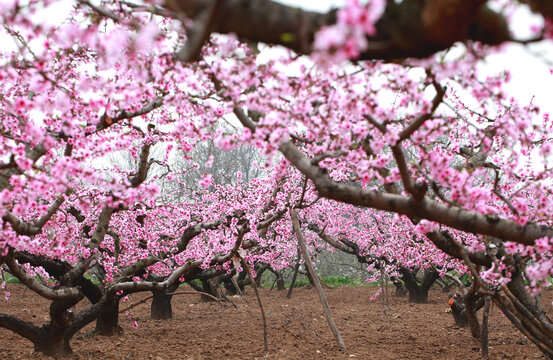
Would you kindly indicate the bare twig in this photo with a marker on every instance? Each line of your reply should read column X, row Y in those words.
column 376, row 124
column 500, row 195
column 419, row 120
column 261, row 309
column 315, row 278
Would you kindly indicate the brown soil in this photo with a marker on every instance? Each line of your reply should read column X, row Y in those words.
column 297, row 329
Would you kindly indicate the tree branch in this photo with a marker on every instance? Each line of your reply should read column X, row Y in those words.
column 37, row 286
column 23, row 328
column 30, row 229
column 419, row 120
column 412, row 28
column 143, row 166
column 106, row 121
column 199, row 33
column 457, row 218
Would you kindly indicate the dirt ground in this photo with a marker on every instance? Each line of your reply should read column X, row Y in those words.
column 297, row 329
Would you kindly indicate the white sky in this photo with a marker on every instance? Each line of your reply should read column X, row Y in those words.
column 314, row 5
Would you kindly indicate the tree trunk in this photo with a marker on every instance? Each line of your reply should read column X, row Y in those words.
column 51, row 339
column 293, row 282
column 242, row 281
column 107, row 323
column 280, row 281
column 473, row 302
column 401, row 290
column 259, row 270
column 161, row 308
column 418, row 296
column 52, row 342
column 418, row 293
column 210, row 286
column 295, row 276
column 485, row 316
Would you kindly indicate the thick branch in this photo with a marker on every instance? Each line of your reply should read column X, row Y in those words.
column 188, row 234
column 155, row 285
column 37, row 286
column 331, row 241
column 457, row 218
column 143, row 166
column 412, row 28
column 106, row 121
column 101, row 228
column 23, row 328
column 446, row 243
column 30, row 229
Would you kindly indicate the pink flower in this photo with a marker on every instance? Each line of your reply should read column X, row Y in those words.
column 146, row 37
column 207, row 181
column 543, row 245
column 209, row 162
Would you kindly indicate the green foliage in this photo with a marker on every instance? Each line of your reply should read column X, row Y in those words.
column 299, row 283
column 92, row 278
column 10, row 279
column 341, row 280
column 466, row 279
column 332, row 281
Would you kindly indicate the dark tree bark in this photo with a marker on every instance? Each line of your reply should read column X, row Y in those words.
column 410, row 28
column 259, row 271
column 401, row 289
column 210, row 286
column 161, row 308
column 52, row 339
column 418, row 293
column 51, row 342
column 107, row 323
column 458, row 310
column 279, row 280
column 231, row 285
column 485, row 316
column 473, row 302
column 293, row 282
column 49, row 339
column 446, row 287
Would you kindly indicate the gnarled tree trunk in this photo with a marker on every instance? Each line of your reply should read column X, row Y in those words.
column 418, row 293
column 107, row 323
column 211, row 287
column 161, row 308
